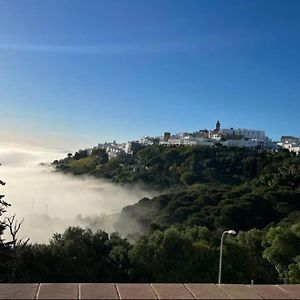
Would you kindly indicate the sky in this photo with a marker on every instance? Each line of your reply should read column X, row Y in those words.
column 75, row 73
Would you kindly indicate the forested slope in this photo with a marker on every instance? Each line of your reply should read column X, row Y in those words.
column 175, row 236
column 214, row 187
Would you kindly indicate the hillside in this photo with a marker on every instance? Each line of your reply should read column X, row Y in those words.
column 213, row 187
column 165, row 167
column 203, row 191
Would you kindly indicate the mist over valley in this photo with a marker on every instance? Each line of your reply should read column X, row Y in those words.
column 50, row 201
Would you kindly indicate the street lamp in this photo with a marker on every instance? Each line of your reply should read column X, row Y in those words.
column 221, row 252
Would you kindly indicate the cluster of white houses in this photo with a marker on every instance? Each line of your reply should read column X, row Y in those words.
column 232, row 137
column 239, row 137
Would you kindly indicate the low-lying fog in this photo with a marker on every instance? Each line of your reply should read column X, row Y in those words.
column 50, row 201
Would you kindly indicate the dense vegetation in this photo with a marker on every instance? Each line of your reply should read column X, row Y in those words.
column 175, row 236
column 177, row 254
column 167, row 167
column 214, row 187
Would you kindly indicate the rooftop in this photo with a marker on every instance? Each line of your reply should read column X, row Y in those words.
column 147, row 291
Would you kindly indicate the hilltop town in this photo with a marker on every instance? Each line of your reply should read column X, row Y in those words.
column 200, row 191
column 228, row 137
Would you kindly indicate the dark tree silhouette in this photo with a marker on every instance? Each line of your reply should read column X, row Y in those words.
column 3, row 206
column 4, row 246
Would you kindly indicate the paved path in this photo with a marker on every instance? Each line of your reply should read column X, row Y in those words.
column 147, row 291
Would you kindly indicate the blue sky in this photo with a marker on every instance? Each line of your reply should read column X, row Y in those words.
column 90, row 71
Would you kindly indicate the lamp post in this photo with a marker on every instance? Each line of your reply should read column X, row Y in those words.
column 221, row 252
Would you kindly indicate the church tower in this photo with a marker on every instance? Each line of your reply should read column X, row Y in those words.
column 218, row 126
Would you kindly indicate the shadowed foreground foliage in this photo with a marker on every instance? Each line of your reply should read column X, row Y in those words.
column 177, row 254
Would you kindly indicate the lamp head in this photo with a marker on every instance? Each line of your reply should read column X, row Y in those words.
column 231, row 232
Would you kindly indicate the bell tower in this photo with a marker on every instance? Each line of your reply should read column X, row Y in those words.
column 218, row 126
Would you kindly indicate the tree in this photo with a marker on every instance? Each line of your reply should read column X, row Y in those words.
column 17, row 245
column 80, row 154
column 77, row 255
column 173, row 255
column 282, row 250
column 4, row 246
column 3, row 206
column 243, row 259
column 11, row 251
column 294, row 270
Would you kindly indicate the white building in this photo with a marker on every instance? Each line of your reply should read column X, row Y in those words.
column 296, row 149
column 189, row 140
column 291, row 147
column 215, row 136
column 147, row 140
column 291, row 143
column 290, row 140
column 175, row 141
column 245, row 133
column 241, row 143
column 114, row 151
